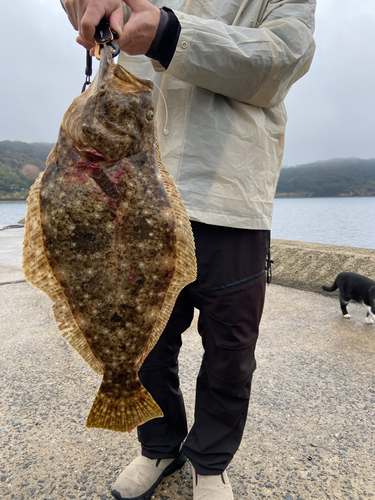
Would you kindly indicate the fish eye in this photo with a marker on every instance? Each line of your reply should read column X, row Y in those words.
column 150, row 114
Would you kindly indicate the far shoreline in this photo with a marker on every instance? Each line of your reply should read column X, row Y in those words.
column 13, row 200
column 299, row 197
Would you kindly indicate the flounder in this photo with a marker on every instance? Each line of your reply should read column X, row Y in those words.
column 108, row 239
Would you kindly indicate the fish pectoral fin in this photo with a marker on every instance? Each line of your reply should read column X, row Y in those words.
column 123, row 413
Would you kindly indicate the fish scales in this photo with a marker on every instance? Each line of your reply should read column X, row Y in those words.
column 108, row 239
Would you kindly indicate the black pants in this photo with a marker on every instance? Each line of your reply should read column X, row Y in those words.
column 229, row 294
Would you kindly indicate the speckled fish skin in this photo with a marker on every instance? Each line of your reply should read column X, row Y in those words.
column 109, row 235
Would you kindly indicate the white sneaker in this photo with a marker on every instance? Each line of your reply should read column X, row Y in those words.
column 140, row 478
column 211, row 487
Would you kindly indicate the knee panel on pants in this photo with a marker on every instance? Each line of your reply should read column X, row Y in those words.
column 229, row 328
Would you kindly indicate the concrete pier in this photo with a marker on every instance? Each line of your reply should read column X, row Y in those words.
column 311, row 427
column 308, row 266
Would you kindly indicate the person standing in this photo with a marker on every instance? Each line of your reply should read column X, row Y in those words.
column 223, row 70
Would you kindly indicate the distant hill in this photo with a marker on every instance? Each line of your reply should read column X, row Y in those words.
column 20, row 165
column 329, row 178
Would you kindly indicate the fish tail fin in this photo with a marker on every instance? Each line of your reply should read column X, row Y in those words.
column 124, row 413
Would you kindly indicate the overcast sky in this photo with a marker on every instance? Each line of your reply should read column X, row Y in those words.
column 331, row 109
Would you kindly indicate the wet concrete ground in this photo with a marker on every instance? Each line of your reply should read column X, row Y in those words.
column 310, row 431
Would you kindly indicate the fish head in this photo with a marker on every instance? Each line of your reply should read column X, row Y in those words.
column 116, row 115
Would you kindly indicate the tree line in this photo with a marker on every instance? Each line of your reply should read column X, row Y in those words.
column 328, row 178
column 20, row 165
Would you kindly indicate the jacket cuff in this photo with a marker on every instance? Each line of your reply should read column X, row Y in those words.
column 164, row 45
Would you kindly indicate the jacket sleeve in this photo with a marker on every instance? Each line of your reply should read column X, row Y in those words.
column 255, row 65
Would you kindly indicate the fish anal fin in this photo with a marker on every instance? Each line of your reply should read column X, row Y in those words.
column 122, row 414
column 38, row 272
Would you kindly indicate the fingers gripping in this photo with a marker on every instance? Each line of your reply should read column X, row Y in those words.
column 85, row 15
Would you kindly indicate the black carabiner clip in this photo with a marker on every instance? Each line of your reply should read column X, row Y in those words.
column 105, row 35
column 88, row 71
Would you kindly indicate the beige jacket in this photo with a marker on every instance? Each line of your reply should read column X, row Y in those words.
column 221, row 128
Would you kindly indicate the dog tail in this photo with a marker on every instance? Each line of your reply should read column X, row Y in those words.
column 330, row 288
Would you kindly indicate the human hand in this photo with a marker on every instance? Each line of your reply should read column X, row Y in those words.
column 140, row 30
column 85, row 15
column 135, row 37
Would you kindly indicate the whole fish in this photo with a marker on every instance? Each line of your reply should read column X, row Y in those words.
column 108, row 239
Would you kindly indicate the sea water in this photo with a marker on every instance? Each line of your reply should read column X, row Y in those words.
column 333, row 221
column 12, row 213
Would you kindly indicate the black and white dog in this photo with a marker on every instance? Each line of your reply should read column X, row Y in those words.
column 355, row 287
